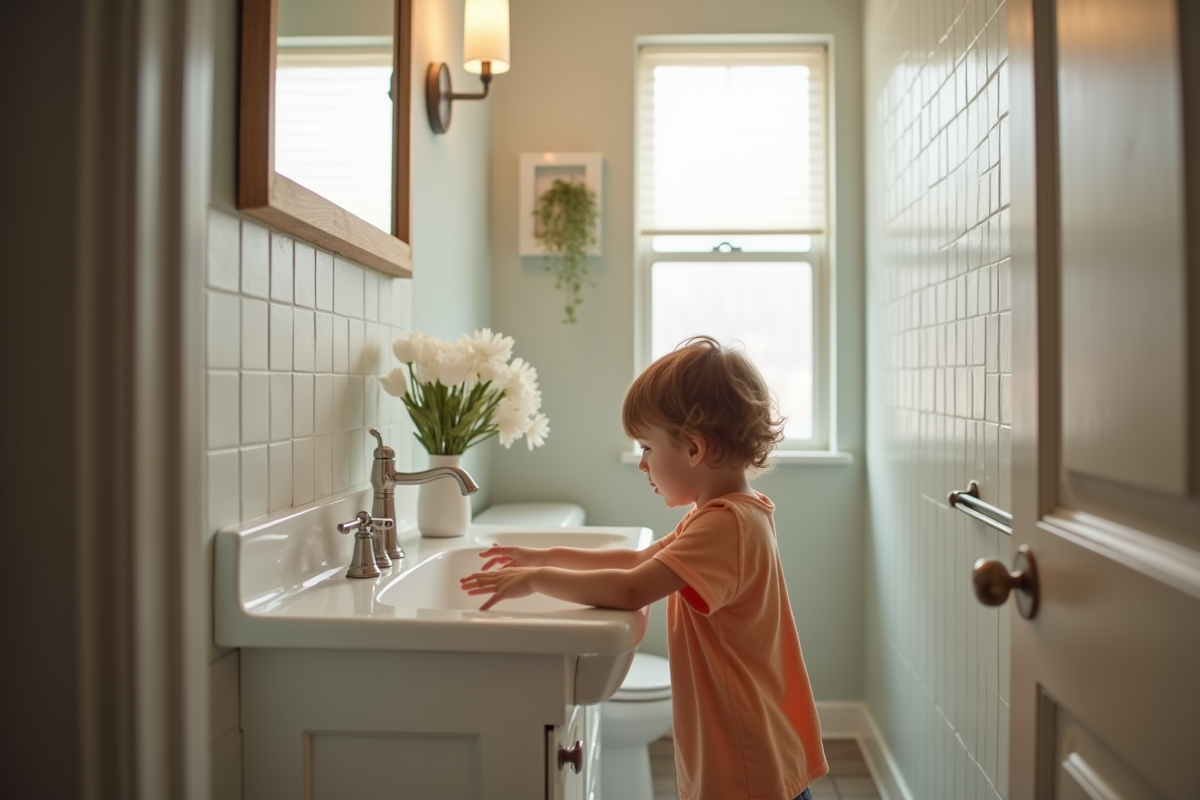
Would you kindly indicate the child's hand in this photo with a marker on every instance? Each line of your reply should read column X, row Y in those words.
column 499, row 556
column 508, row 583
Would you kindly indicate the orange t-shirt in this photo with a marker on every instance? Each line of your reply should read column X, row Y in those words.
column 745, row 720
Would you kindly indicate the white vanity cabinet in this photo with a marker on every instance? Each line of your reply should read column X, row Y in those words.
column 360, row 725
column 400, row 686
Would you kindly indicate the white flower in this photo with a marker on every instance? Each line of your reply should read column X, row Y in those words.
column 490, row 347
column 539, row 429
column 405, row 348
column 394, row 383
column 511, row 421
column 454, row 367
column 426, row 350
column 521, row 383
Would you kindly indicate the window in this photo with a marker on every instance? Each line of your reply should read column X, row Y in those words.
column 333, row 121
column 732, row 214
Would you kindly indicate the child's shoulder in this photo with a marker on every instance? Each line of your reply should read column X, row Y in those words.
column 731, row 509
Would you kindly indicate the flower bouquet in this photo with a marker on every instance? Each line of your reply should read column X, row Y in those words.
column 459, row 394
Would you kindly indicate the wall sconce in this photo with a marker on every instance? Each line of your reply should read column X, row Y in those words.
column 485, row 53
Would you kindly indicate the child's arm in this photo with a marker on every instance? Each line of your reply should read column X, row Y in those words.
column 565, row 557
column 628, row 589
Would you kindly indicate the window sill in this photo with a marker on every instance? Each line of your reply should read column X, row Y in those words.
column 778, row 458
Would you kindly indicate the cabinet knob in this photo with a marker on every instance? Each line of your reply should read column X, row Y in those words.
column 572, row 756
column 993, row 582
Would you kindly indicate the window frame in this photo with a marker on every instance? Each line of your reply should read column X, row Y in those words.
column 821, row 447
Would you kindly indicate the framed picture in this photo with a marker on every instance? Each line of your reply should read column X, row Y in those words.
column 538, row 173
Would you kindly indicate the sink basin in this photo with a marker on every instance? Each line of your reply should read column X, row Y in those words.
column 557, row 537
column 281, row 582
column 434, row 584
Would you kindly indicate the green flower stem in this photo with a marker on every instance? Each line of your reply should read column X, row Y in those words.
column 448, row 420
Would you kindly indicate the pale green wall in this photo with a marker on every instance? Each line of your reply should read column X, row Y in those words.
column 570, row 90
column 452, row 279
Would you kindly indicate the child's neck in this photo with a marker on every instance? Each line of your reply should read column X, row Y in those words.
column 723, row 481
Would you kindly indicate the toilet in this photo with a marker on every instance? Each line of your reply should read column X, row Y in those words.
column 638, row 714
column 640, row 711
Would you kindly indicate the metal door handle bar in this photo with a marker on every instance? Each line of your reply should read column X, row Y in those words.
column 969, row 503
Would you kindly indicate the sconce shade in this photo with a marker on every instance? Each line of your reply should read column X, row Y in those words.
column 485, row 36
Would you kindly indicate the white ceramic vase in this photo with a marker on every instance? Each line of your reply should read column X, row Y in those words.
column 442, row 509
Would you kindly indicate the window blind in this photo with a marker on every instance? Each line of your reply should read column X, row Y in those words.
column 732, row 139
column 333, row 128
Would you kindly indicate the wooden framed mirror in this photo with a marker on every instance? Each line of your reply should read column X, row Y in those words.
column 296, row 209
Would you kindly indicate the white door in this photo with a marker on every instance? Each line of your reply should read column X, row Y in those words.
column 1104, row 110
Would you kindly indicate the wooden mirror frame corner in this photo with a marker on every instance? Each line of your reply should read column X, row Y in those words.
column 294, row 209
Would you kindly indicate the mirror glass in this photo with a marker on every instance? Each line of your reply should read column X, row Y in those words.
column 333, row 102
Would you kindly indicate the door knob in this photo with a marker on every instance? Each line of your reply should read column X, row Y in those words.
column 572, row 756
column 993, row 582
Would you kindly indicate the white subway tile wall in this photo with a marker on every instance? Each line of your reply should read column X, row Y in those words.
column 938, row 301
column 296, row 339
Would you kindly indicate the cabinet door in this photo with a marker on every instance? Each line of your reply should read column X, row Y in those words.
column 570, row 765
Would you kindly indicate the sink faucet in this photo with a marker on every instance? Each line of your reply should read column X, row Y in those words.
column 385, row 478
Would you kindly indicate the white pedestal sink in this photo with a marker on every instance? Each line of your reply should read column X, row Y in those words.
column 399, row 684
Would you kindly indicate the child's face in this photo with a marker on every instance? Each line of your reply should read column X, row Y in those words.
column 671, row 467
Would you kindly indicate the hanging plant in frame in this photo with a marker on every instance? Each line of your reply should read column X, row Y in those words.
column 566, row 216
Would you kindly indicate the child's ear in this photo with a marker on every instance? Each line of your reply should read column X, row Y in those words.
column 697, row 449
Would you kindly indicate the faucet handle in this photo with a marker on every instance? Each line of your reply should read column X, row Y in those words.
column 363, row 564
column 382, row 451
column 359, row 523
column 365, row 524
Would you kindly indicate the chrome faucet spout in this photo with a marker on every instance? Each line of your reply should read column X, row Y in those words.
column 385, row 478
column 466, row 483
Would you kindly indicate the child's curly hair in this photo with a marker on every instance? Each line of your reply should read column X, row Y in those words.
column 703, row 388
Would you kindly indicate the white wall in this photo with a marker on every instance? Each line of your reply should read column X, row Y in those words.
column 295, row 336
column 571, row 89
column 938, row 386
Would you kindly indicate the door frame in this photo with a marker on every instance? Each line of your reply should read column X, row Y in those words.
column 137, row 476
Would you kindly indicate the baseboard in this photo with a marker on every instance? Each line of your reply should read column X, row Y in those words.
column 854, row 721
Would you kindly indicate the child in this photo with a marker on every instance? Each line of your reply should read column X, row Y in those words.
column 745, row 722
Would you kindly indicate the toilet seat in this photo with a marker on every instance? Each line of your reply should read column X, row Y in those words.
column 648, row 679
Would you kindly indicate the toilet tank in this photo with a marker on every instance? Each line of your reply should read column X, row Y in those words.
column 561, row 515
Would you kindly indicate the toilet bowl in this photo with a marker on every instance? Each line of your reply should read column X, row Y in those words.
column 638, row 714
column 640, row 711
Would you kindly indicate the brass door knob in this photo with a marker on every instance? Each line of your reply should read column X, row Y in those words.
column 572, row 756
column 993, row 582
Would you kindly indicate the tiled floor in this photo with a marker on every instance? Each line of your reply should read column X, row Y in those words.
column 848, row 777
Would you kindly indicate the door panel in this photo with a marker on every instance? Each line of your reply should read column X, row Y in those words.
column 1124, row 292
column 1105, row 693
column 1086, row 769
column 1119, row 651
